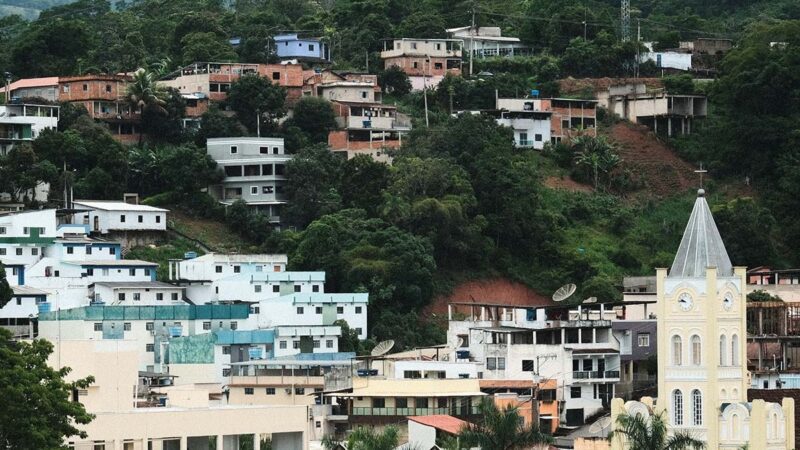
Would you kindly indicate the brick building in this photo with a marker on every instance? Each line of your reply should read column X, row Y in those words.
column 103, row 96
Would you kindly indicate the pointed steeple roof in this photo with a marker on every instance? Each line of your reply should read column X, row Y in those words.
column 701, row 245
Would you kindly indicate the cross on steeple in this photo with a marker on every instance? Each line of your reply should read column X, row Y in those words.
column 701, row 171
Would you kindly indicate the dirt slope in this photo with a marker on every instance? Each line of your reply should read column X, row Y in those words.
column 494, row 291
column 662, row 171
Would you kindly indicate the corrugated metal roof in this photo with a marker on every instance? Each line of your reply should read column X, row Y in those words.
column 701, row 245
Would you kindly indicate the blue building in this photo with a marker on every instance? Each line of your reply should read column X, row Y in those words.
column 291, row 46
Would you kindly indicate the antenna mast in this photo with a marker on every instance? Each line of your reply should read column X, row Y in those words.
column 625, row 15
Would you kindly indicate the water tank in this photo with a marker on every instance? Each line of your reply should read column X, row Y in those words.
column 44, row 307
column 175, row 331
column 462, row 354
column 535, row 93
column 190, row 255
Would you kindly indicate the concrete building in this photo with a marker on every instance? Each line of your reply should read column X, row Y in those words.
column 531, row 128
column 702, row 372
column 291, row 46
column 45, row 87
column 674, row 59
column 425, row 61
column 103, row 96
column 132, row 224
column 661, row 112
column 187, row 420
column 568, row 117
column 141, row 293
column 485, row 42
column 255, row 172
column 638, row 348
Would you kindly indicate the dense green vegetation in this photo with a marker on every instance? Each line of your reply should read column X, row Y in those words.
column 460, row 201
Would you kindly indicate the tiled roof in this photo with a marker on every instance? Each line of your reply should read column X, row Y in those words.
column 33, row 82
column 448, row 424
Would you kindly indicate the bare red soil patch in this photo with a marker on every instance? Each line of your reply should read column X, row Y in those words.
column 498, row 291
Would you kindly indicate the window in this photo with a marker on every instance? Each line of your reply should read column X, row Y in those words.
column 316, row 344
column 295, row 344
column 297, row 288
column 723, row 350
column 414, row 45
column 226, row 372
column 108, row 88
column 735, row 350
column 415, row 64
column 537, row 137
column 263, row 150
column 358, row 310
column 421, row 402
column 2, row 230
column 282, row 345
column 677, row 349
column 98, row 326
column 644, row 339
column 237, row 269
column 206, row 325
column 270, row 391
column 300, row 310
column 575, row 392
column 318, row 309
column 527, row 365
column 112, row 250
column 65, row 88
column 149, row 348
column 121, row 296
column 226, row 349
column 126, row 326
column 266, row 189
column 276, row 75
column 329, row 343
column 311, row 47
column 276, row 288
column 234, row 325
column 257, row 288
column 148, row 326
column 441, row 402
column 122, row 218
column 315, row 288
column 137, row 296
column 358, row 331
column 340, row 310
column 159, row 296
column 234, row 149
column 19, row 252
column 233, row 171
column 274, row 150
column 174, row 296
column 378, row 402
column 697, row 407
column 35, row 251
column 491, row 363
column 696, row 350
column 85, row 87
column 218, row 269
column 587, row 365
column 132, row 272
column 266, row 169
column 253, row 190
column 437, row 66
column 677, row 407
column 158, row 219
column 140, row 218
column 2, row 252
column 249, row 391
column 401, row 402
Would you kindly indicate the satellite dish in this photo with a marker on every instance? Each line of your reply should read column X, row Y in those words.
column 590, row 300
column 564, row 292
column 601, row 425
column 382, row 348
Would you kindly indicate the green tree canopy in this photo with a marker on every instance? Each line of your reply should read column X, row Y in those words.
column 252, row 97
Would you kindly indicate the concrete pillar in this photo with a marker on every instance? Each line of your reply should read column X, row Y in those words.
column 710, row 394
column 617, row 409
column 788, row 413
column 184, row 443
column 118, row 445
column 256, row 441
column 669, row 126
column 758, row 425
column 220, row 443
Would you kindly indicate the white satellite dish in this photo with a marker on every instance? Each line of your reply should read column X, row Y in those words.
column 602, row 425
column 564, row 292
column 590, row 300
column 382, row 348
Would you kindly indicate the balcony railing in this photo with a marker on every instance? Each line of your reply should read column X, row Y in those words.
column 525, row 143
column 595, row 374
column 367, row 411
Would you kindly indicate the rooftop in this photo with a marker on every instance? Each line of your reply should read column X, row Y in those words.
column 107, row 205
column 277, row 276
column 329, row 298
column 243, row 258
column 701, row 246
column 137, row 284
column 33, row 82
column 113, row 262
column 448, row 424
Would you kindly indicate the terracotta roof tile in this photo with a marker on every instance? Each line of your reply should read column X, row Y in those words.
column 448, row 424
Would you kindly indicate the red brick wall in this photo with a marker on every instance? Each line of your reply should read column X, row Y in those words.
column 97, row 88
column 423, row 67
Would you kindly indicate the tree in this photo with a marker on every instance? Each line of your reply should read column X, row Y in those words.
column 312, row 187
column 165, row 124
column 650, row 433
column 253, row 97
column 5, row 289
column 37, row 411
column 595, row 153
column 201, row 46
column 315, row 117
column 363, row 438
column 748, row 230
column 363, row 183
column 21, row 171
column 214, row 123
column 501, row 429
column 395, row 81
column 148, row 97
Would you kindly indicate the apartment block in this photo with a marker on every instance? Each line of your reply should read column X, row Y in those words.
column 426, row 61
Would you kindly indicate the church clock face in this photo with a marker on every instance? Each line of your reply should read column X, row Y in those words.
column 685, row 301
column 727, row 302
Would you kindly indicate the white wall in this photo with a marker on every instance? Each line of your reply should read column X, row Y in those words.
column 451, row 369
column 133, row 220
column 148, row 296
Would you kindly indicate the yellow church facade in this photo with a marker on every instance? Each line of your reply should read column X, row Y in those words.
column 702, row 360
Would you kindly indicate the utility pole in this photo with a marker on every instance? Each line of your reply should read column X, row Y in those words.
column 471, row 40
column 584, row 23
column 258, row 123
column 638, row 44
column 625, row 19
column 425, row 88
column 366, row 54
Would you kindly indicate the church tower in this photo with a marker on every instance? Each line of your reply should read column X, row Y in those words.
column 701, row 330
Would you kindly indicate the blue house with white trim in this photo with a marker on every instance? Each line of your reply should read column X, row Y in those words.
column 292, row 46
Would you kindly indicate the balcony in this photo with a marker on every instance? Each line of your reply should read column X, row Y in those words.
column 581, row 324
column 595, row 375
column 459, row 411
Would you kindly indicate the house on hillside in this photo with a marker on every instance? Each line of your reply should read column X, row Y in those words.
column 103, row 96
column 255, row 172
column 291, row 46
column 132, row 224
column 46, row 88
column 484, row 42
column 425, row 61
column 567, row 117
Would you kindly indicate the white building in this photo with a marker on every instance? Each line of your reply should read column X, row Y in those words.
column 136, row 293
column 255, row 287
column 678, row 59
column 311, row 309
column 112, row 217
column 531, row 128
column 482, row 42
column 255, row 172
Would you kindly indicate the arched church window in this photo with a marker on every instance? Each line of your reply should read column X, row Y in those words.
column 697, row 407
column 696, row 350
column 735, row 350
column 723, row 350
column 677, row 351
column 677, row 407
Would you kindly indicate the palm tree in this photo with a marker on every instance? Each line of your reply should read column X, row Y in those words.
column 144, row 93
column 596, row 153
column 363, row 438
column 650, row 433
column 501, row 429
